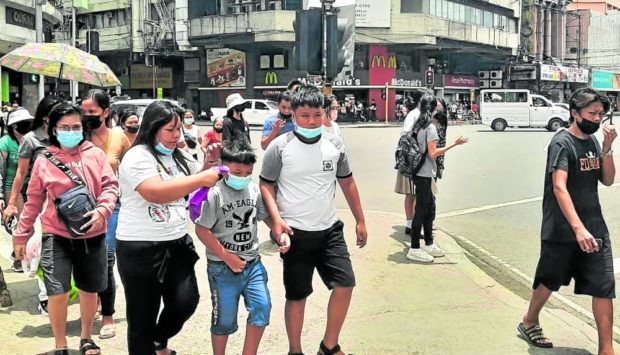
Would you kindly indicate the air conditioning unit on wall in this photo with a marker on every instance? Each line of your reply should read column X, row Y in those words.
column 483, row 75
column 495, row 84
column 496, row 74
column 484, row 84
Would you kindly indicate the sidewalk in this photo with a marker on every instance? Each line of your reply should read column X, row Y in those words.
column 399, row 307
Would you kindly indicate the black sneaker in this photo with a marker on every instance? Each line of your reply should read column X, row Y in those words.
column 42, row 308
column 407, row 230
column 17, row 266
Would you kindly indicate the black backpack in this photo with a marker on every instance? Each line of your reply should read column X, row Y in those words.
column 409, row 157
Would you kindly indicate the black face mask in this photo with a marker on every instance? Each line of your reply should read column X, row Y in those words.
column 22, row 127
column 286, row 117
column 133, row 129
column 218, row 129
column 92, row 122
column 240, row 108
column 588, row 127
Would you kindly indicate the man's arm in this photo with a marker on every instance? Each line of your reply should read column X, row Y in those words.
column 608, row 168
column 584, row 238
column 349, row 189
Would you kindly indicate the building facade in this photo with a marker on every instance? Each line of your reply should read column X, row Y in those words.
column 247, row 47
column 17, row 27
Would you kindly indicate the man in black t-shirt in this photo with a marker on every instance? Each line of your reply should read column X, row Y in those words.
column 575, row 239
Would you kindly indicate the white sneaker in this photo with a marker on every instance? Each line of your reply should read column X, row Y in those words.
column 419, row 255
column 433, row 250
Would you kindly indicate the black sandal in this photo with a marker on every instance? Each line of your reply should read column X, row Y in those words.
column 323, row 350
column 87, row 345
column 534, row 336
column 159, row 347
column 61, row 351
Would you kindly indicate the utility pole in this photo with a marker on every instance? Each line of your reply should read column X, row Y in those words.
column 74, row 88
column 328, row 9
column 38, row 19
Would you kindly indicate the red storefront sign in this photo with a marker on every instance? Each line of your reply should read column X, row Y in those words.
column 460, row 81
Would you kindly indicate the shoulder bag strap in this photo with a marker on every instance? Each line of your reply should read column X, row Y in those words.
column 62, row 167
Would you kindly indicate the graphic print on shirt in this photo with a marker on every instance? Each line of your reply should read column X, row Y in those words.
column 590, row 162
column 242, row 222
column 159, row 213
column 328, row 165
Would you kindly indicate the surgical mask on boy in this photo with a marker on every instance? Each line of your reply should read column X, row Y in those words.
column 238, row 182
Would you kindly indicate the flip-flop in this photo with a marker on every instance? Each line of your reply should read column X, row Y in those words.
column 534, row 336
column 107, row 331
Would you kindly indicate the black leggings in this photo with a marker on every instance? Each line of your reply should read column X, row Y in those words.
column 424, row 212
column 152, row 272
column 108, row 296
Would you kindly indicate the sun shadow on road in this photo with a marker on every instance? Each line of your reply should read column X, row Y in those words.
column 514, row 131
column 24, row 296
column 45, row 330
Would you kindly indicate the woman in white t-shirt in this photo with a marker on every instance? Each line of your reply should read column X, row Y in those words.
column 156, row 255
column 191, row 139
column 331, row 106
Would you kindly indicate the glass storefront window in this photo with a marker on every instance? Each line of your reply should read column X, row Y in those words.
column 488, row 19
column 433, row 7
column 451, row 10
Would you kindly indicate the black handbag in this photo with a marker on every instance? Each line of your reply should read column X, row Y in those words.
column 73, row 203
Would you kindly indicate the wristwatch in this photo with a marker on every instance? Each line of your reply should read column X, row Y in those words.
column 609, row 153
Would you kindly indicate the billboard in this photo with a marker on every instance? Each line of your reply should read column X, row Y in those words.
column 225, row 68
column 141, row 77
column 368, row 13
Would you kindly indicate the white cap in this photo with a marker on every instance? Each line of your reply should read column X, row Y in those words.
column 18, row 115
column 234, row 100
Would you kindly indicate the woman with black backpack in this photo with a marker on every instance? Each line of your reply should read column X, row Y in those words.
column 427, row 138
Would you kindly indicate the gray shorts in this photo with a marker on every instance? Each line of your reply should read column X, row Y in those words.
column 86, row 258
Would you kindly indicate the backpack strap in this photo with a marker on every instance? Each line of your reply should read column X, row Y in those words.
column 62, row 167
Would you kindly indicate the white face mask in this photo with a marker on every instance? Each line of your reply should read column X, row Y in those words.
column 188, row 120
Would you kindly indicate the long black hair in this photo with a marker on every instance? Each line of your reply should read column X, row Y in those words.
column 58, row 112
column 158, row 114
column 428, row 104
column 43, row 111
column 442, row 117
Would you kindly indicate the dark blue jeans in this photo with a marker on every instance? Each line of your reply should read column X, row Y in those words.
column 108, row 296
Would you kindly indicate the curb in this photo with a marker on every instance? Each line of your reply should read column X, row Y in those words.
column 481, row 257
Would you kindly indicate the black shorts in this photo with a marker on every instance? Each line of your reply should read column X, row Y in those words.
column 324, row 250
column 593, row 273
column 87, row 258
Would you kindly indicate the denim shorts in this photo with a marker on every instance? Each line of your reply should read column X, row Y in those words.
column 226, row 287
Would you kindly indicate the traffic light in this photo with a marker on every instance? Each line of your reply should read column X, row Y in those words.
column 429, row 77
column 308, row 44
column 341, row 42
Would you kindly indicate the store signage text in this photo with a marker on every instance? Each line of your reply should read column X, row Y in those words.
column 562, row 73
column 22, row 19
column 461, row 81
column 415, row 83
column 348, row 82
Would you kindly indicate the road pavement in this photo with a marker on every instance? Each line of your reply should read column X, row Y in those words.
column 467, row 303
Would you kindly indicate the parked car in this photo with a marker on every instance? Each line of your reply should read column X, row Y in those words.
column 138, row 105
column 255, row 113
column 500, row 109
column 562, row 105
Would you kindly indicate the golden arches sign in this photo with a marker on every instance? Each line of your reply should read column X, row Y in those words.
column 271, row 78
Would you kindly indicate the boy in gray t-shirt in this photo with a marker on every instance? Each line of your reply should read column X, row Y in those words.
column 228, row 227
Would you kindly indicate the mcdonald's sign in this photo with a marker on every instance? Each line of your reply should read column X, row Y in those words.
column 271, row 78
column 392, row 62
column 378, row 61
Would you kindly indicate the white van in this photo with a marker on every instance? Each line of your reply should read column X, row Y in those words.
column 519, row 108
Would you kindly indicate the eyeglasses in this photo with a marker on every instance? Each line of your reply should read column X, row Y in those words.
column 76, row 128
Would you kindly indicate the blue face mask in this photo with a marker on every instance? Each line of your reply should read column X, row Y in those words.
column 310, row 132
column 238, row 182
column 161, row 149
column 69, row 140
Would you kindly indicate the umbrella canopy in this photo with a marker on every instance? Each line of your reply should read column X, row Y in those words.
column 61, row 61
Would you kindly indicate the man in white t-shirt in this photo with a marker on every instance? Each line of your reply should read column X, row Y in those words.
column 305, row 164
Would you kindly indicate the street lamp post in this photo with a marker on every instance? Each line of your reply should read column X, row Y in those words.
column 39, row 33
column 74, row 88
column 328, row 9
